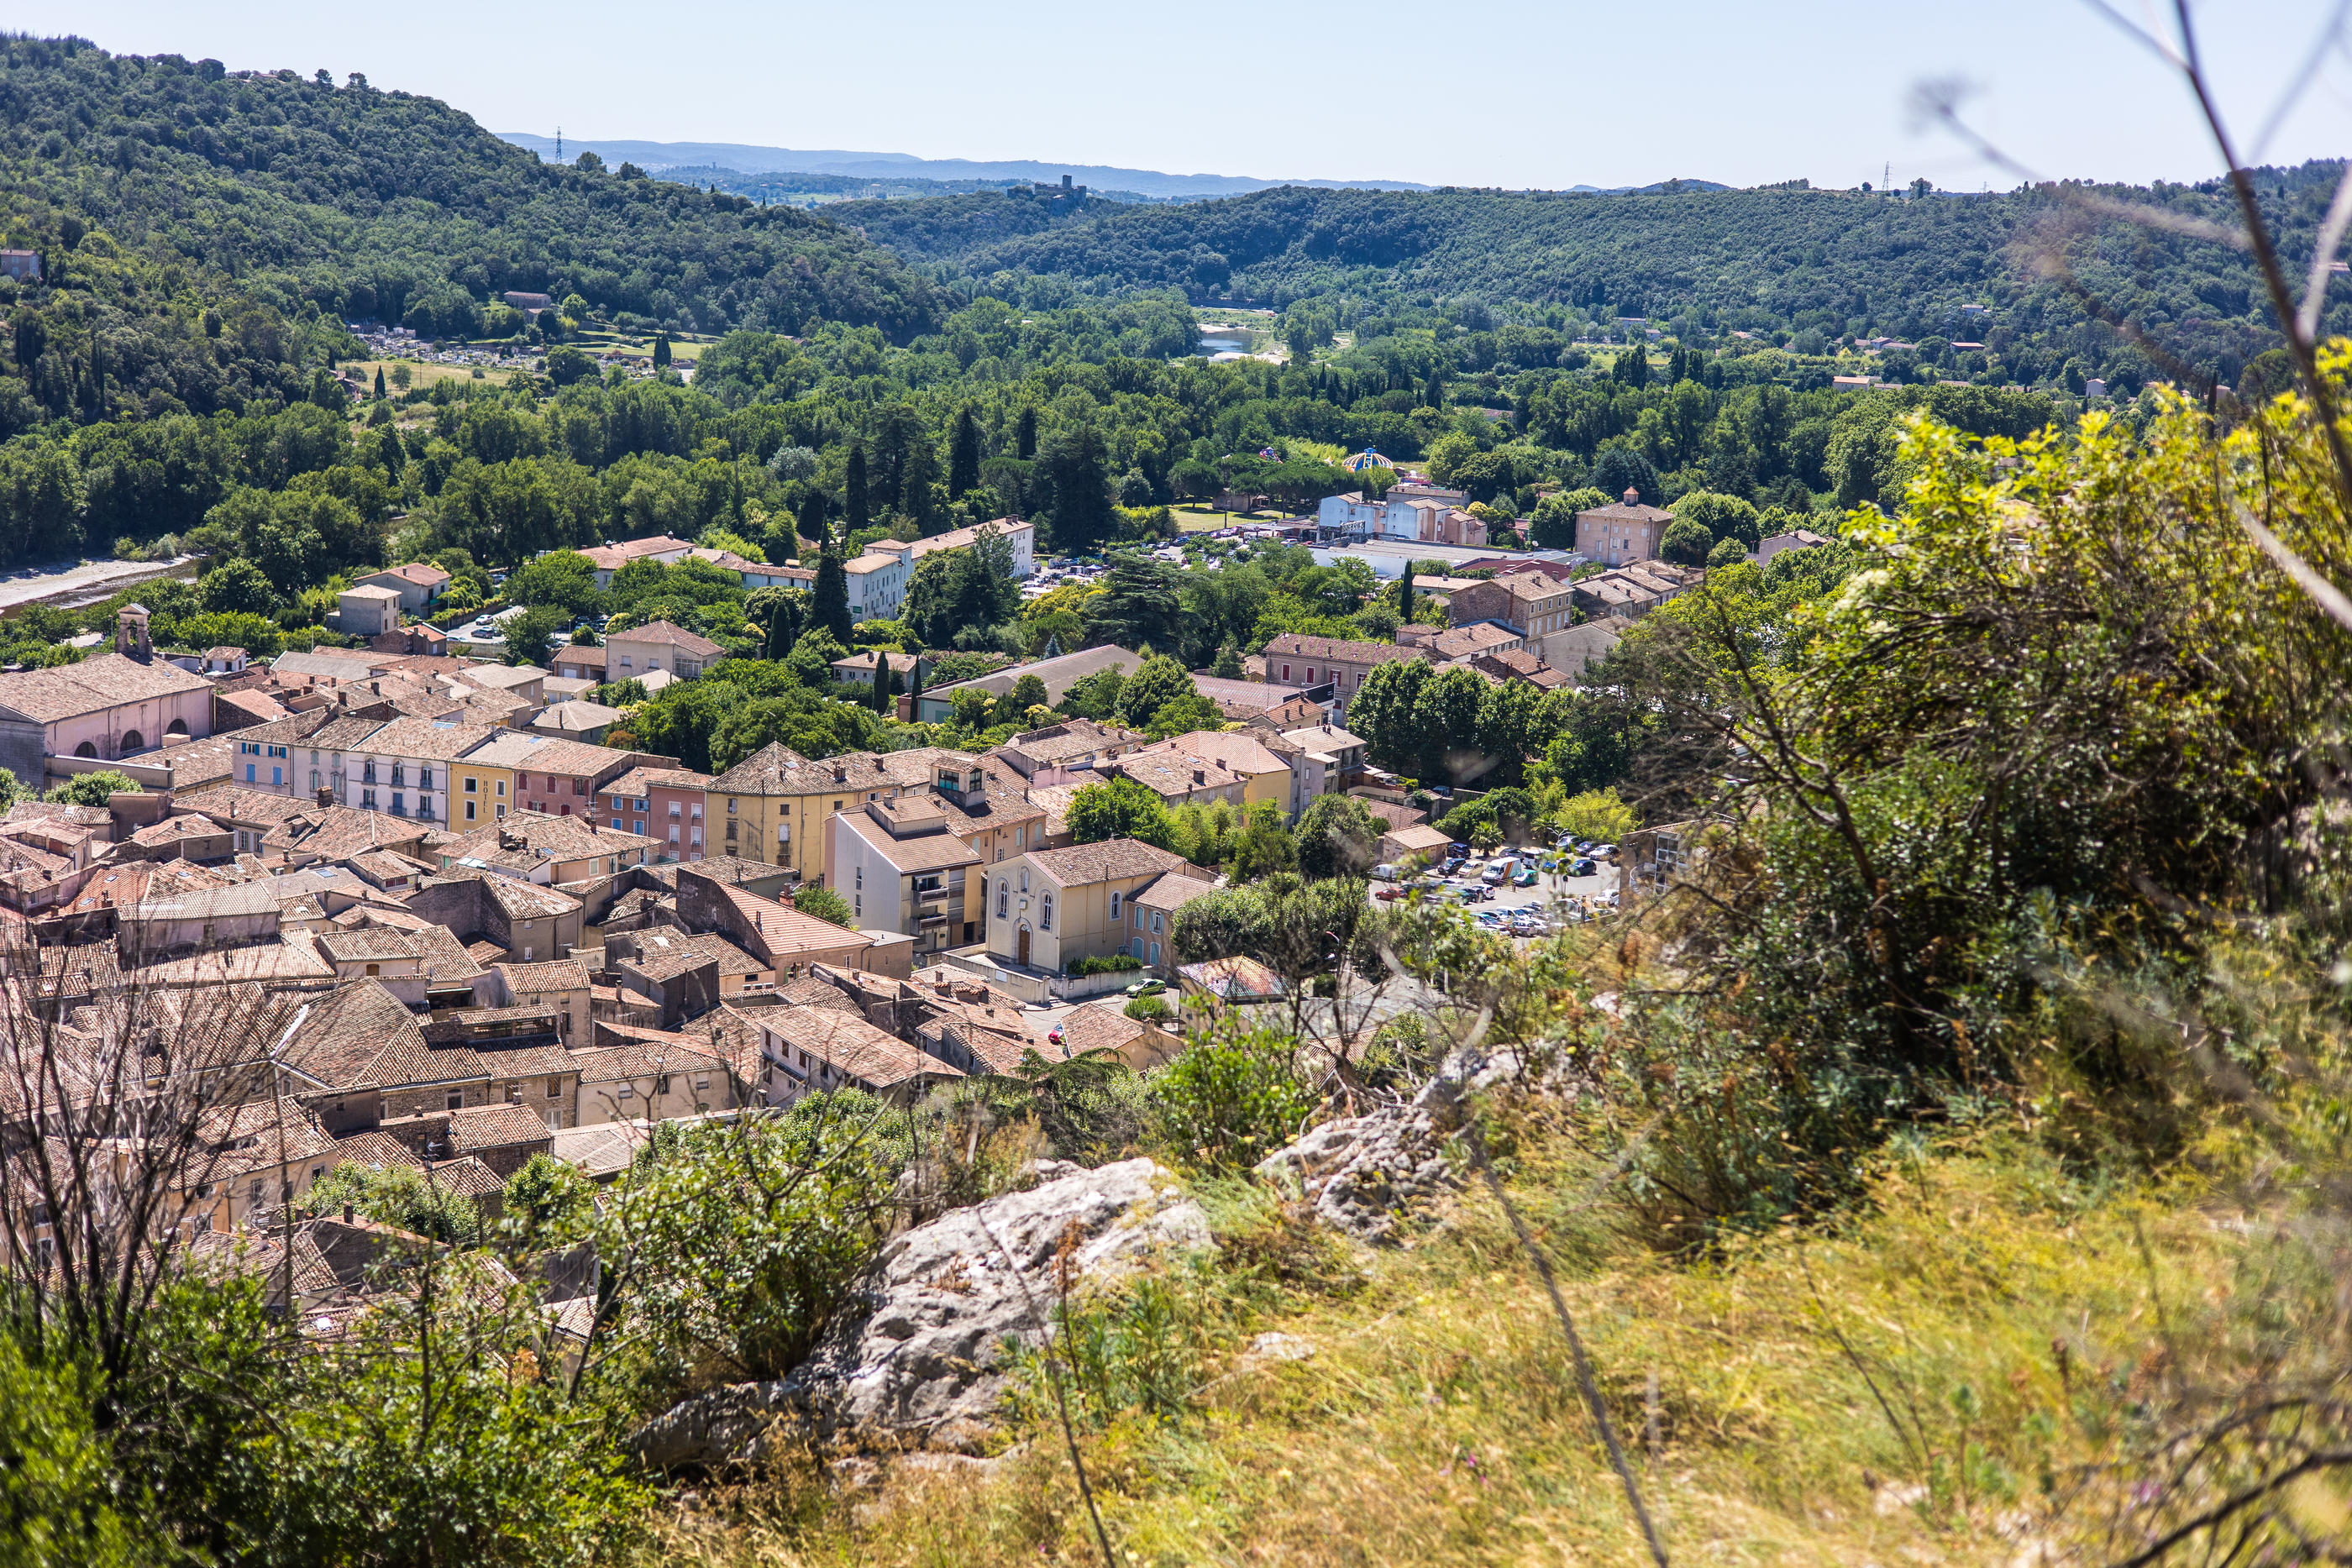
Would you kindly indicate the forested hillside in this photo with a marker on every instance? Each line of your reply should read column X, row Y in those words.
column 1839, row 262
column 364, row 203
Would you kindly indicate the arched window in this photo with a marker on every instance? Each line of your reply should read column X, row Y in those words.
column 1045, row 914
column 1114, row 906
column 177, row 727
column 132, row 740
column 1004, row 893
column 85, row 749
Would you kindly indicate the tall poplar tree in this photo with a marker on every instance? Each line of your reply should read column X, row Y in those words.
column 963, row 456
column 855, row 506
column 830, row 600
column 1404, row 595
column 1024, row 434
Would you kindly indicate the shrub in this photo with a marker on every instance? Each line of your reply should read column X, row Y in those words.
column 1233, row 1097
column 1147, row 1009
column 1108, row 964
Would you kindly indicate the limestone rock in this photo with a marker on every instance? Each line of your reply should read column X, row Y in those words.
column 1365, row 1175
column 917, row 1359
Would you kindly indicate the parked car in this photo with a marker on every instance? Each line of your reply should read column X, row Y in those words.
column 1585, row 867
column 1527, row 924
column 1389, row 892
column 1496, row 872
column 1385, row 871
column 1524, row 877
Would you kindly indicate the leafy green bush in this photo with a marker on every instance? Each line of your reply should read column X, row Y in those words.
column 1106, row 964
column 92, row 788
column 1236, row 1095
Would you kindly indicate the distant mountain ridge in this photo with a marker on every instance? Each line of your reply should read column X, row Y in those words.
column 752, row 160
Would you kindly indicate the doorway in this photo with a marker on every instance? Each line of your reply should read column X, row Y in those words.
column 1025, row 946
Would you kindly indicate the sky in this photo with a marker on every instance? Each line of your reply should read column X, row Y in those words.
column 1508, row 92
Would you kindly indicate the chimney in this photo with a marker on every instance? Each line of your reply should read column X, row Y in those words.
column 347, row 1214
column 1632, row 496
column 326, row 795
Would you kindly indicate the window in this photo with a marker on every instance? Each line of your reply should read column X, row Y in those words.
column 249, row 773
column 1155, row 952
column 861, row 876
column 661, row 1084
column 1155, row 927
column 555, row 1089
column 469, row 811
column 673, row 812
column 503, row 786
column 424, row 779
column 314, row 775
column 1114, row 906
column 1045, row 914
column 457, row 1099
column 730, row 807
column 857, row 906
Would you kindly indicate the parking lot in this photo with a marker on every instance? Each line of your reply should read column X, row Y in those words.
column 1549, row 898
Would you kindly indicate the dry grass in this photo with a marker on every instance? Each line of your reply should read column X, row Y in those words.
column 1438, row 1421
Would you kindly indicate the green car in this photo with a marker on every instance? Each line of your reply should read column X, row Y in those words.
column 1526, row 877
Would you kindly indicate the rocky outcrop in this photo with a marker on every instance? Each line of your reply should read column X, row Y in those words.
column 918, row 1359
column 1366, row 1175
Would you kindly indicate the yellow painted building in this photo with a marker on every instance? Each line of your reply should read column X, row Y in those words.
column 478, row 793
column 774, row 805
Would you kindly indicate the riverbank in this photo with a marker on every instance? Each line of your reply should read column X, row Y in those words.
column 84, row 583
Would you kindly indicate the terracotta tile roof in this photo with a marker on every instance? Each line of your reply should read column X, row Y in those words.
column 777, row 771
column 809, row 991
column 669, row 634
column 664, row 955
column 1097, row 1025
column 786, row 931
column 100, row 682
column 557, row 975
column 1463, row 641
column 544, row 836
column 1292, row 645
column 1078, row 737
column 850, row 1045
column 374, row 1148
column 638, row 782
column 1079, row 864
column 363, row 1037
column 642, row 1054
column 1175, row 890
column 915, row 852
column 468, row 1176
column 549, row 754
column 368, row 943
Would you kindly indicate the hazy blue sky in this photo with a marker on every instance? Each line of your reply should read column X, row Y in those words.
column 1502, row 93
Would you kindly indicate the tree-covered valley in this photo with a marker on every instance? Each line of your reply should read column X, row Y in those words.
column 1931, row 1147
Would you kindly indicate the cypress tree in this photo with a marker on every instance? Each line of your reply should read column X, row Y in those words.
column 963, row 456
column 830, row 606
column 855, row 514
column 378, row 383
column 1024, row 434
column 1404, row 594
column 1433, row 395
column 914, row 689
column 882, row 681
column 783, row 628
column 661, row 352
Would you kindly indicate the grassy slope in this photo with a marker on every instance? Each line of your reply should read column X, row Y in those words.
column 1438, row 1419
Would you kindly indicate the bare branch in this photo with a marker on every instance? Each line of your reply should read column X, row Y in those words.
column 2323, row 253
